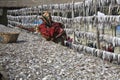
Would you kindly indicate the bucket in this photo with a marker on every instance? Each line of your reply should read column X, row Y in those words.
column 8, row 37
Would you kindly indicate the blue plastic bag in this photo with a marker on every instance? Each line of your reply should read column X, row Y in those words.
column 40, row 21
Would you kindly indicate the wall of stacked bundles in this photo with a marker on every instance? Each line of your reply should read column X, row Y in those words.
column 81, row 23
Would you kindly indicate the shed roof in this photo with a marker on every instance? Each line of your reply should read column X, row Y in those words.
column 28, row 3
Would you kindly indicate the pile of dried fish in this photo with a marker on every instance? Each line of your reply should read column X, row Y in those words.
column 33, row 58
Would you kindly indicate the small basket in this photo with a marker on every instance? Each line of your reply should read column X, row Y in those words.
column 8, row 37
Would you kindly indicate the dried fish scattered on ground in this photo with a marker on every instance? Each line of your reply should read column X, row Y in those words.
column 33, row 58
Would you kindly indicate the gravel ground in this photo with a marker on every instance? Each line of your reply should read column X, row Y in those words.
column 33, row 58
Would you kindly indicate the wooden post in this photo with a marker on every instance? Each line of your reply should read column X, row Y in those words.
column 110, row 12
column 72, row 9
column 85, row 27
column 115, row 31
column 97, row 31
column 41, row 9
column 58, row 12
column 73, row 18
column 103, row 28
